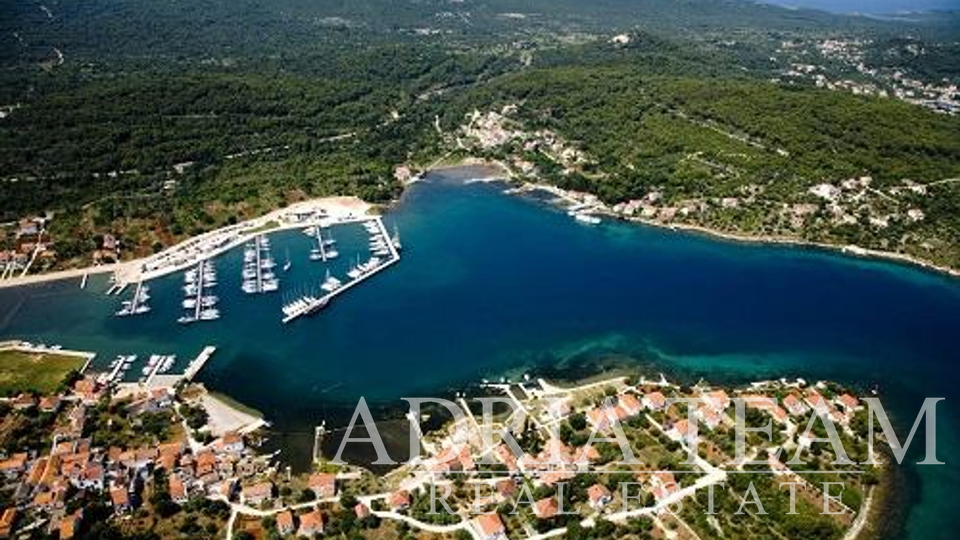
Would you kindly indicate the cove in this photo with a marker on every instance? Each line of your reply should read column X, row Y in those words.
column 492, row 284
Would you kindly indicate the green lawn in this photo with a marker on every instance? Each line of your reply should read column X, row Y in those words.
column 41, row 372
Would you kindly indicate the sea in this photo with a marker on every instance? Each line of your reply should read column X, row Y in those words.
column 495, row 286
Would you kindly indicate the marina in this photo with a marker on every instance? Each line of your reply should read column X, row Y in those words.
column 324, row 251
column 137, row 305
column 380, row 246
column 157, row 371
column 200, row 305
column 258, row 265
column 495, row 282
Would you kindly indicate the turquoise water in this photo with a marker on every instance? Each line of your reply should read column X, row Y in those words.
column 491, row 284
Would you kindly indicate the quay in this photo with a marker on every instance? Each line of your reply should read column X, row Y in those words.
column 157, row 380
column 323, row 212
column 197, row 364
column 312, row 304
column 136, row 305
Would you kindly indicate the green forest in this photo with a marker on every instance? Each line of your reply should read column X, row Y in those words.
column 156, row 121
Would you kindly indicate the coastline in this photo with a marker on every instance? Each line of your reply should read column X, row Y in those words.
column 600, row 208
column 338, row 209
column 69, row 273
column 849, row 250
column 132, row 270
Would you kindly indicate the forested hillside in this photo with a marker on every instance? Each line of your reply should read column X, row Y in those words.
column 157, row 120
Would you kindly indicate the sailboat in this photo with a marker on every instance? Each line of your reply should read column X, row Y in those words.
column 396, row 239
column 288, row 264
column 331, row 283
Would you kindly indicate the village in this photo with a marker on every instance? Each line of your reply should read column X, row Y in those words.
column 87, row 458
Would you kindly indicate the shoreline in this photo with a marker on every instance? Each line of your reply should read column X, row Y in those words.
column 338, row 209
column 600, row 208
column 495, row 171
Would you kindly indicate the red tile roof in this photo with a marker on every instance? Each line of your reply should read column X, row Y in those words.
column 597, row 493
column 489, row 524
column 546, row 508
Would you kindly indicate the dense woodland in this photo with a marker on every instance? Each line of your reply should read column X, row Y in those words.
column 164, row 119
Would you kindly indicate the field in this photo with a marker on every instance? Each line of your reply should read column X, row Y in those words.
column 41, row 372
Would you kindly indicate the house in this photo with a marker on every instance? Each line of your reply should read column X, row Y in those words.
column 506, row 488
column 630, row 404
column 70, row 524
column 848, row 402
column 7, row 521
column 683, row 431
column 14, row 466
column 654, row 401
column 145, row 456
column 794, row 406
column 663, row 485
column 588, row 454
column 49, row 404
column 490, row 527
column 555, row 452
column 324, row 485
column 29, row 227
column 398, row 500
column 88, row 391
column 256, row 493
column 550, row 478
column 91, row 476
column 599, row 496
column 206, row 463
column 599, row 418
column 109, row 242
column 311, row 524
column 120, row 499
column 361, row 510
column 718, row 400
column 506, row 456
column 546, row 508
column 231, row 442
column 24, row 402
column 285, row 523
column 816, row 401
column 456, row 458
column 36, row 471
column 768, row 404
column 177, row 489
column 710, row 416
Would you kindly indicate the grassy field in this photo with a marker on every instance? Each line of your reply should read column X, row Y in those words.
column 41, row 372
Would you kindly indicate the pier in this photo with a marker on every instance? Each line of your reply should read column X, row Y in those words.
column 163, row 380
column 200, row 306
column 136, row 305
column 197, row 364
column 258, row 276
column 309, row 305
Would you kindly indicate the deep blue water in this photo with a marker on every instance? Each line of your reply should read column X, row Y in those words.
column 491, row 284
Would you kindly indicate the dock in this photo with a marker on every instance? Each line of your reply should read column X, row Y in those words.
column 138, row 304
column 314, row 304
column 262, row 280
column 197, row 363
